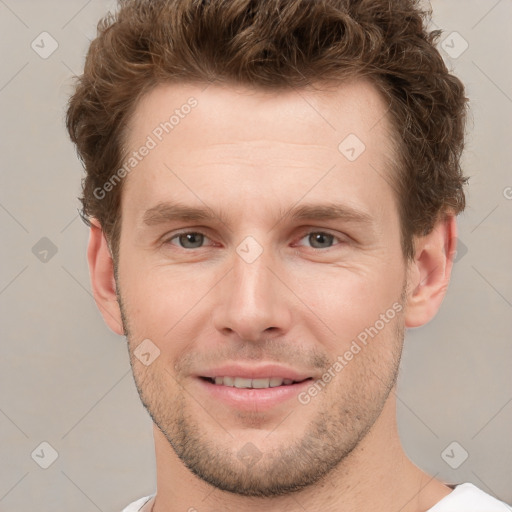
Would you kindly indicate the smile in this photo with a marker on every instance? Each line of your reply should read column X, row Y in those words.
column 261, row 383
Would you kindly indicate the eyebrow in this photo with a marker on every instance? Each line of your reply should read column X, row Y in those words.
column 166, row 212
column 329, row 211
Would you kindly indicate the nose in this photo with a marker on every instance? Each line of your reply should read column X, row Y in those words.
column 253, row 302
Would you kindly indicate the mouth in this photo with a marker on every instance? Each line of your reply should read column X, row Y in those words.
column 258, row 389
column 246, row 383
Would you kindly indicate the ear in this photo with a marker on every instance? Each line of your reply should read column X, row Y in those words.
column 101, row 269
column 430, row 271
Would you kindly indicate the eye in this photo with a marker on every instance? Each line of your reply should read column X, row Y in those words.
column 188, row 239
column 320, row 239
column 196, row 239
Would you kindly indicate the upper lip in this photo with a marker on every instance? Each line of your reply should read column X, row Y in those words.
column 261, row 371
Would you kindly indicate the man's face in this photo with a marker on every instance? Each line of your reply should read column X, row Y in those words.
column 268, row 288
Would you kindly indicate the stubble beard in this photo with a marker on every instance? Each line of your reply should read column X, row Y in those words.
column 346, row 416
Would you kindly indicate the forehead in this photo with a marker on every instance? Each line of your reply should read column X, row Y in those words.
column 229, row 113
column 272, row 144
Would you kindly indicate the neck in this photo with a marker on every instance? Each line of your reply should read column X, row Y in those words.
column 377, row 475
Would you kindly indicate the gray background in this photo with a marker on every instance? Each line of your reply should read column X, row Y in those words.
column 65, row 378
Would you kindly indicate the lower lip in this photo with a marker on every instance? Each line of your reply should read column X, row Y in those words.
column 250, row 399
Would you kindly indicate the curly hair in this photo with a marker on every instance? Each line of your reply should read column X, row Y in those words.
column 276, row 45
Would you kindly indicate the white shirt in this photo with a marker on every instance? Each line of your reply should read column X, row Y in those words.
column 464, row 498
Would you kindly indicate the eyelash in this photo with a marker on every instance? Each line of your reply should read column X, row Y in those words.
column 167, row 241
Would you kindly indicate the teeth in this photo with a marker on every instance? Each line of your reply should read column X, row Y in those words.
column 241, row 382
column 260, row 383
column 275, row 381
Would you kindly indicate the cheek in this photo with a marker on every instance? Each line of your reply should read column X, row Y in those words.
column 348, row 302
column 172, row 305
column 371, row 355
column 159, row 302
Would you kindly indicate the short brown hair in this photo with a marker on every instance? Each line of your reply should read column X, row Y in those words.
column 276, row 44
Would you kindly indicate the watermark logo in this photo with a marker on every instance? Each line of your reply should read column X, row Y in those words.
column 249, row 249
column 249, row 455
column 146, row 352
column 454, row 455
column 44, row 250
column 454, row 45
column 351, row 147
column 44, row 455
column 44, row 45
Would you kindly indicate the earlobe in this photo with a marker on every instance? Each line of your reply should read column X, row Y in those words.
column 101, row 269
column 429, row 273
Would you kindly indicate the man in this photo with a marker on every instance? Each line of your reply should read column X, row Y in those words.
column 271, row 191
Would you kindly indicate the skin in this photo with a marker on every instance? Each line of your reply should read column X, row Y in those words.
column 250, row 156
